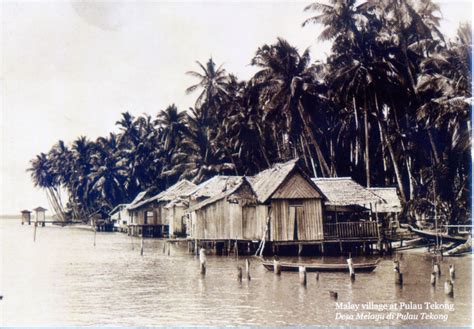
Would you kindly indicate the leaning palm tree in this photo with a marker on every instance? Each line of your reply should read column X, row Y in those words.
column 283, row 72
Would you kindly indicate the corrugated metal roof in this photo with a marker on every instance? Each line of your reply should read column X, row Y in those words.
column 117, row 208
column 392, row 201
column 140, row 196
column 343, row 191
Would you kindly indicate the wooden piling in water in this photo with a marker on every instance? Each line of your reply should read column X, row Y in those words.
column 239, row 273
column 247, row 269
column 351, row 269
column 302, row 272
column 141, row 246
column 34, row 232
column 396, row 265
column 449, row 288
column 317, row 276
column 433, row 279
column 333, row 294
column 452, row 272
column 398, row 278
column 202, row 261
column 276, row 267
column 437, row 269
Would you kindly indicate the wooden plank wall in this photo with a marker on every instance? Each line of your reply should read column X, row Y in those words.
column 311, row 228
column 310, row 220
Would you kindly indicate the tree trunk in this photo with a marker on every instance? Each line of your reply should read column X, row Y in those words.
column 324, row 166
column 366, row 138
column 394, row 162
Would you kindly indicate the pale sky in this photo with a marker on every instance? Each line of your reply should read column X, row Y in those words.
column 70, row 68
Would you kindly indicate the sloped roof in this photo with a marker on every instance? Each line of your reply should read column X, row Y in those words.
column 392, row 201
column 266, row 182
column 118, row 208
column 214, row 186
column 179, row 189
column 40, row 209
column 25, row 211
column 231, row 189
column 343, row 191
column 178, row 202
column 140, row 196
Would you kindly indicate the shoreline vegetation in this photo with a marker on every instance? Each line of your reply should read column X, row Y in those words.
column 390, row 106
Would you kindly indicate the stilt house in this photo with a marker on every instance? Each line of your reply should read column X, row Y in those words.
column 229, row 214
column 25, row 217
column 120, row 217
column 348, row 210
column 388, row 211
column 291, row 205
column 150, row 214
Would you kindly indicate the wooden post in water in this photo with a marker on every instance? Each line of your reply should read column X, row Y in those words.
column 433, row 279
column 317, row 276
column 169, row 248
column 351, row 268
column 164, row 248
column 276, row 267
column 95, row 235
column 396, row 265
column 34, row 232
column 302, row 271
column 202, row 261
column 437, row 269
column 247, row 268
column 449, row 288
column 452, row 272
column 399, row 278
column 239, row 273
column 141, row 245
column 333, row 294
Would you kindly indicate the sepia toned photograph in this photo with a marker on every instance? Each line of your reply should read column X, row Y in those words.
column 236, row 163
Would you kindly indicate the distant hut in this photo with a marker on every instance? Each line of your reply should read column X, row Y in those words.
column 229, row 214
column 120, row 217
column 25, row 217
column 150, row 214
column 40, row 217
column 389, row 210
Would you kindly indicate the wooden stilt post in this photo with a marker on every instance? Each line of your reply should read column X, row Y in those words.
column 247, row 268
column 169, row 248
column 351, row 268
column 452, row 272
column 398, row 278
column 437, row 269
column 141, row 245
column 164, row 248
column 239, row 273
column 396, row 265
column 449, row 288
column 300, row 249
column 34, row 231
column 236, row 249
column 433, row 279
column 302, row 271
column 276, row 267
column 202, row 260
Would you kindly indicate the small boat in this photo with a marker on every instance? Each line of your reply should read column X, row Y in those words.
column 315, row 267
column 432, row 235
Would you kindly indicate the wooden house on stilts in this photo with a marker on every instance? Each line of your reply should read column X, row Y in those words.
column 150, row 215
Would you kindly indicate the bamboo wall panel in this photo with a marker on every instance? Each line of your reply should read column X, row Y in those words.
column 296, row 187
column 251, row 227
column 279, row 220
column 312, row 221
column 235, row 221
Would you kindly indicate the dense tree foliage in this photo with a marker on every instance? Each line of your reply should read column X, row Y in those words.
column 390, row 107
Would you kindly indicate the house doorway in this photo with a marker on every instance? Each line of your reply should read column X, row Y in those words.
column 295, row 220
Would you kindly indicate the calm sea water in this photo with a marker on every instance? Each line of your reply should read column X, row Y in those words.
column 62, row 279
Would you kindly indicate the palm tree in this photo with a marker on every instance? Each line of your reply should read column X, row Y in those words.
column 283, row 71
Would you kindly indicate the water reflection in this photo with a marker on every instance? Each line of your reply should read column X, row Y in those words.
column 64, row 279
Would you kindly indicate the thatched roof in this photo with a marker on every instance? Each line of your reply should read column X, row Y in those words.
column 343, row 191
column 237, row 183
column 181, row 188
column 392, row 201
column 267, row 182
column 214, row 186
column 178, row 202
column 118, row 208
column 140, row 196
